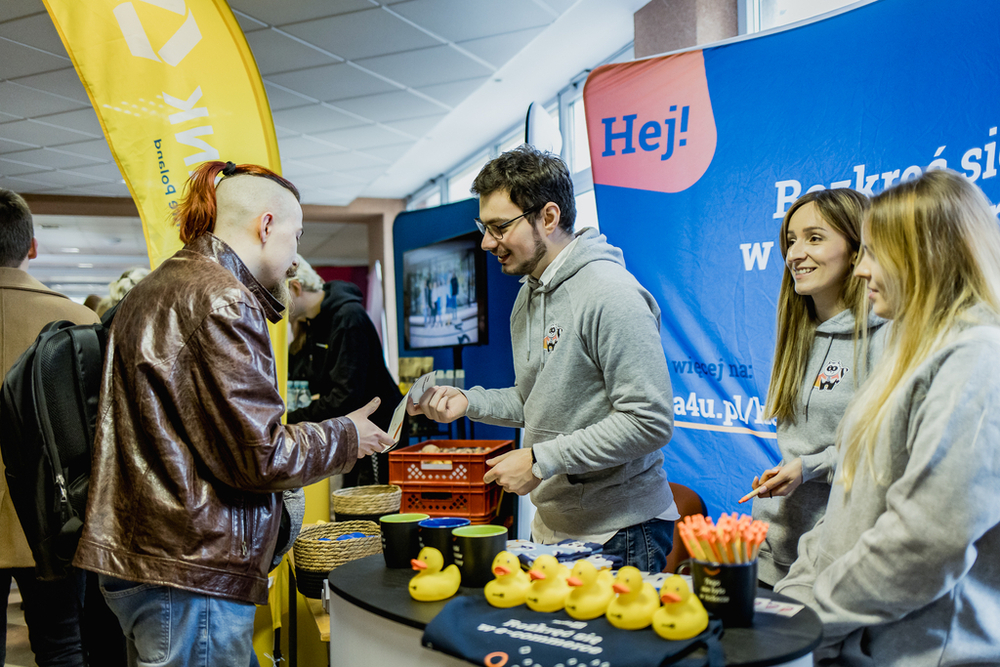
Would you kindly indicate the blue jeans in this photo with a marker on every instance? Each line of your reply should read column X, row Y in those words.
column 644, row 545
column 170, row 627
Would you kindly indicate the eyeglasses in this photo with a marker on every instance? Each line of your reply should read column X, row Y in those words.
column 497, row 231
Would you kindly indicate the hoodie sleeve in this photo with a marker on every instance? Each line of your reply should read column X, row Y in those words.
column 620, row 326
column 821, row 464
column 499, row 407
column 925, row 541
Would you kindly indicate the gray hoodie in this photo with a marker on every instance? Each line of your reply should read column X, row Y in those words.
column 906, row 571
column 830, row 382
column 592, row 392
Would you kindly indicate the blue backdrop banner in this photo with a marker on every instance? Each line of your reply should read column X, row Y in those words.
column 697, row 156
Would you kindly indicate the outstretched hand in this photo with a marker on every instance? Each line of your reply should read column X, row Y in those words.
column 781, row 480
column 442, row 404
column 371, row 439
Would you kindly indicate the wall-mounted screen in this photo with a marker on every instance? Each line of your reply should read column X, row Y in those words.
column 444, row 294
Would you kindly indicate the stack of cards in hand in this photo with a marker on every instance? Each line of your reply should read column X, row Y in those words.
column 423, row 383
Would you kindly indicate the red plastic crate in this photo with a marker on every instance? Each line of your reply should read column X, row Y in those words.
column 411, row 466
column 474, row 502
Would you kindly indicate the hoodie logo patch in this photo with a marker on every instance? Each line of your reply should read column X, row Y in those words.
column 552, row 338
column 830, row 376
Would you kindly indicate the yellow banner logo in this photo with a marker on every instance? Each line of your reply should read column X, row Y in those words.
column 174, row 84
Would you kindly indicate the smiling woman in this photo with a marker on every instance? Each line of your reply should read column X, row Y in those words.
column 920, row 436
column 827, row 341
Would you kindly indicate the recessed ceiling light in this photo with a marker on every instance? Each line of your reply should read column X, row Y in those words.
column 71, row 250
column 85, row 266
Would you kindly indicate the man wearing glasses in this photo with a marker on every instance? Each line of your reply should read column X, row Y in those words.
column 592, row 390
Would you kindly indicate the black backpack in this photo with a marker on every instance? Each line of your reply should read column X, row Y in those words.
column 48, row 413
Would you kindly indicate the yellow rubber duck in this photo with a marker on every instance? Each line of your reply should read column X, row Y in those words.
column 431, row 583
column 548, row 584
column 636, row 602
column 682, row 615
column 592, row 591
column 510, row 588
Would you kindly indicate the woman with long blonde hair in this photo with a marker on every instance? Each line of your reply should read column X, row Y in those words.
column 826, row 339
column 903, row 568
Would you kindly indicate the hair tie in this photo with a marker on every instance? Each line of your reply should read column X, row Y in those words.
column 229, row 169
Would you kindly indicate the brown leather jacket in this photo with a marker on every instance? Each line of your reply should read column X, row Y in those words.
column 191, row 453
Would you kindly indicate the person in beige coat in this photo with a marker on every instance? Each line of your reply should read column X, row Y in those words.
column 51, row 609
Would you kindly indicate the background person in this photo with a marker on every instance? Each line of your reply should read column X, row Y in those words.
column 596, row 405
column 52, row 609
column 902, row 569
column 119, row 288
column 826, row 342
column 191, row 456
column 338, row 351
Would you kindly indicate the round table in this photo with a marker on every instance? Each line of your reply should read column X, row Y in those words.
column 372, row 600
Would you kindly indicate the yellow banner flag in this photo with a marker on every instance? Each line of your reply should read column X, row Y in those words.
column 174, row 84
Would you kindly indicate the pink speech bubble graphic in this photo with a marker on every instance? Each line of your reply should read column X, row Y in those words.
column 650, row 123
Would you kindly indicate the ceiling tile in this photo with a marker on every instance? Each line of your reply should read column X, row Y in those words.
column 280, row 13
column 282, row 99
column 275, row 52
column 101, row 190
column 7, row 146
column 50, row 159
column 426, row 67
column 332, row 82
column 24, row 184
column 106, row 172
column 364, row 136
column 460, row 19
column 21, row 61
column 453, row 93
column 312, row 119
column 25, row 102
column 12, row 9
column 417, row 127
column 559, row 6
column 391, row 153
column 304, row 146
column 39, row 134
column 352, row 36
column 36, row 30
column 248, row 24
column 81, row 120
column 339, row 197
column 390, row 106
column 11, row 166
column 96, row 148
column 498, row 49
column 327, row 181
column 345, row 161
column 63, row 82
column 364, row 175
column 61, row 179
column 294, row 170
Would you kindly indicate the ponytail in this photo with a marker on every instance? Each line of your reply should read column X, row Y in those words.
column 197, row 213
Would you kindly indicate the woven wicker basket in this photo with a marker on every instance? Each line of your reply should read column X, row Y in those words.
column 366, row 502
column 317, row 551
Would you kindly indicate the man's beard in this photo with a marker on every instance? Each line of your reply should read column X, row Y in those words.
column 280, row 291
column 528, row 266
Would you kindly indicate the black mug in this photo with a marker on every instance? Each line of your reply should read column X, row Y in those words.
column 474, row 549
column 726, row 591
column 436, row 532
column 400, row 542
